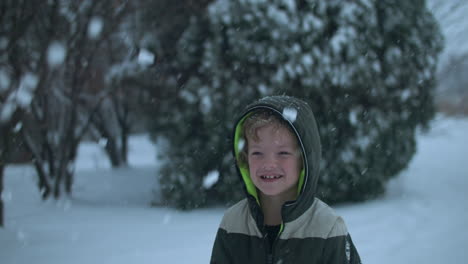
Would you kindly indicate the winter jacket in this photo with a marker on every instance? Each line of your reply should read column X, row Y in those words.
column 310, row 232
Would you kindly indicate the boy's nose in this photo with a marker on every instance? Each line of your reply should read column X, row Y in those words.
column 270, row 162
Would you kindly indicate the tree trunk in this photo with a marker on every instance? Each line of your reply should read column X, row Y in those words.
column 69, row 182
column 57, row 183
column 117, row 154
column 113, row 153
column 124, row 145
column 5, row 132
column 2, row 167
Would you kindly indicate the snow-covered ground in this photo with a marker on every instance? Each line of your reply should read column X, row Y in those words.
column 422, row 218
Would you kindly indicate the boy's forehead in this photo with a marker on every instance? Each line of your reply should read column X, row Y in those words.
column 280, row 133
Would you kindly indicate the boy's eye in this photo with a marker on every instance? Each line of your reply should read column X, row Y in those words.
column 256, row 153
column 285, row 153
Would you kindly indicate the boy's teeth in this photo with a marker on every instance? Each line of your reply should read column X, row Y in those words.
column 270, row 177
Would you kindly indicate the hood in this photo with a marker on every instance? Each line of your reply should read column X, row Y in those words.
column 300, row 117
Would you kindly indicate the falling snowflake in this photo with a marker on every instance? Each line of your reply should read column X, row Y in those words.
column 56, row 54
column 4, row 81
column 102, row 142
column 210, row 179
column 290, row 114
column 240, row 144
column 145, row 57
column 263, row 89
column 25, row 91
column 6, row 196
column 21, row 236
column 95, row 28
column 166, row 219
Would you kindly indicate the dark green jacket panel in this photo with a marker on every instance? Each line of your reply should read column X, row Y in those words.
column 232, row 248
column 340, row 250
column 243, row 249
column 313, row 250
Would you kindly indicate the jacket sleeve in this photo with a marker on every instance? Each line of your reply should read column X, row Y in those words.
column 220, row 253
column 340, row 249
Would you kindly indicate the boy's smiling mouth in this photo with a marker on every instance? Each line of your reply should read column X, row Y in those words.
column 270, row 177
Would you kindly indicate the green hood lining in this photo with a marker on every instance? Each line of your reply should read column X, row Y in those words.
column 243, row 168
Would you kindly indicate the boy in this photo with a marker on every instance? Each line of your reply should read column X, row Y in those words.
column 277, row 151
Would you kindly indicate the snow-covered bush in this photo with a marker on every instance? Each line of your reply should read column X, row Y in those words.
column 366, row 67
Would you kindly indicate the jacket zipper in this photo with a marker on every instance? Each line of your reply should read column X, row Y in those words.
column 270, row 252
column 268, row 248
column 269, row 257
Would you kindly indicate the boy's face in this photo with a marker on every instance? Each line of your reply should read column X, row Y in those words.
column 275, row 161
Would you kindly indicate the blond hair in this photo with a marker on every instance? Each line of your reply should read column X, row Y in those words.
column 255, row 122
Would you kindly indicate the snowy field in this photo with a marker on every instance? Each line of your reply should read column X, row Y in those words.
column 422, row 218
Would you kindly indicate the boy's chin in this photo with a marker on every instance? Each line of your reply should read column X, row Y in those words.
column 277, row 194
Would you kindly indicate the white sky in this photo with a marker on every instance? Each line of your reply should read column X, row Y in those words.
column 452, row 16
